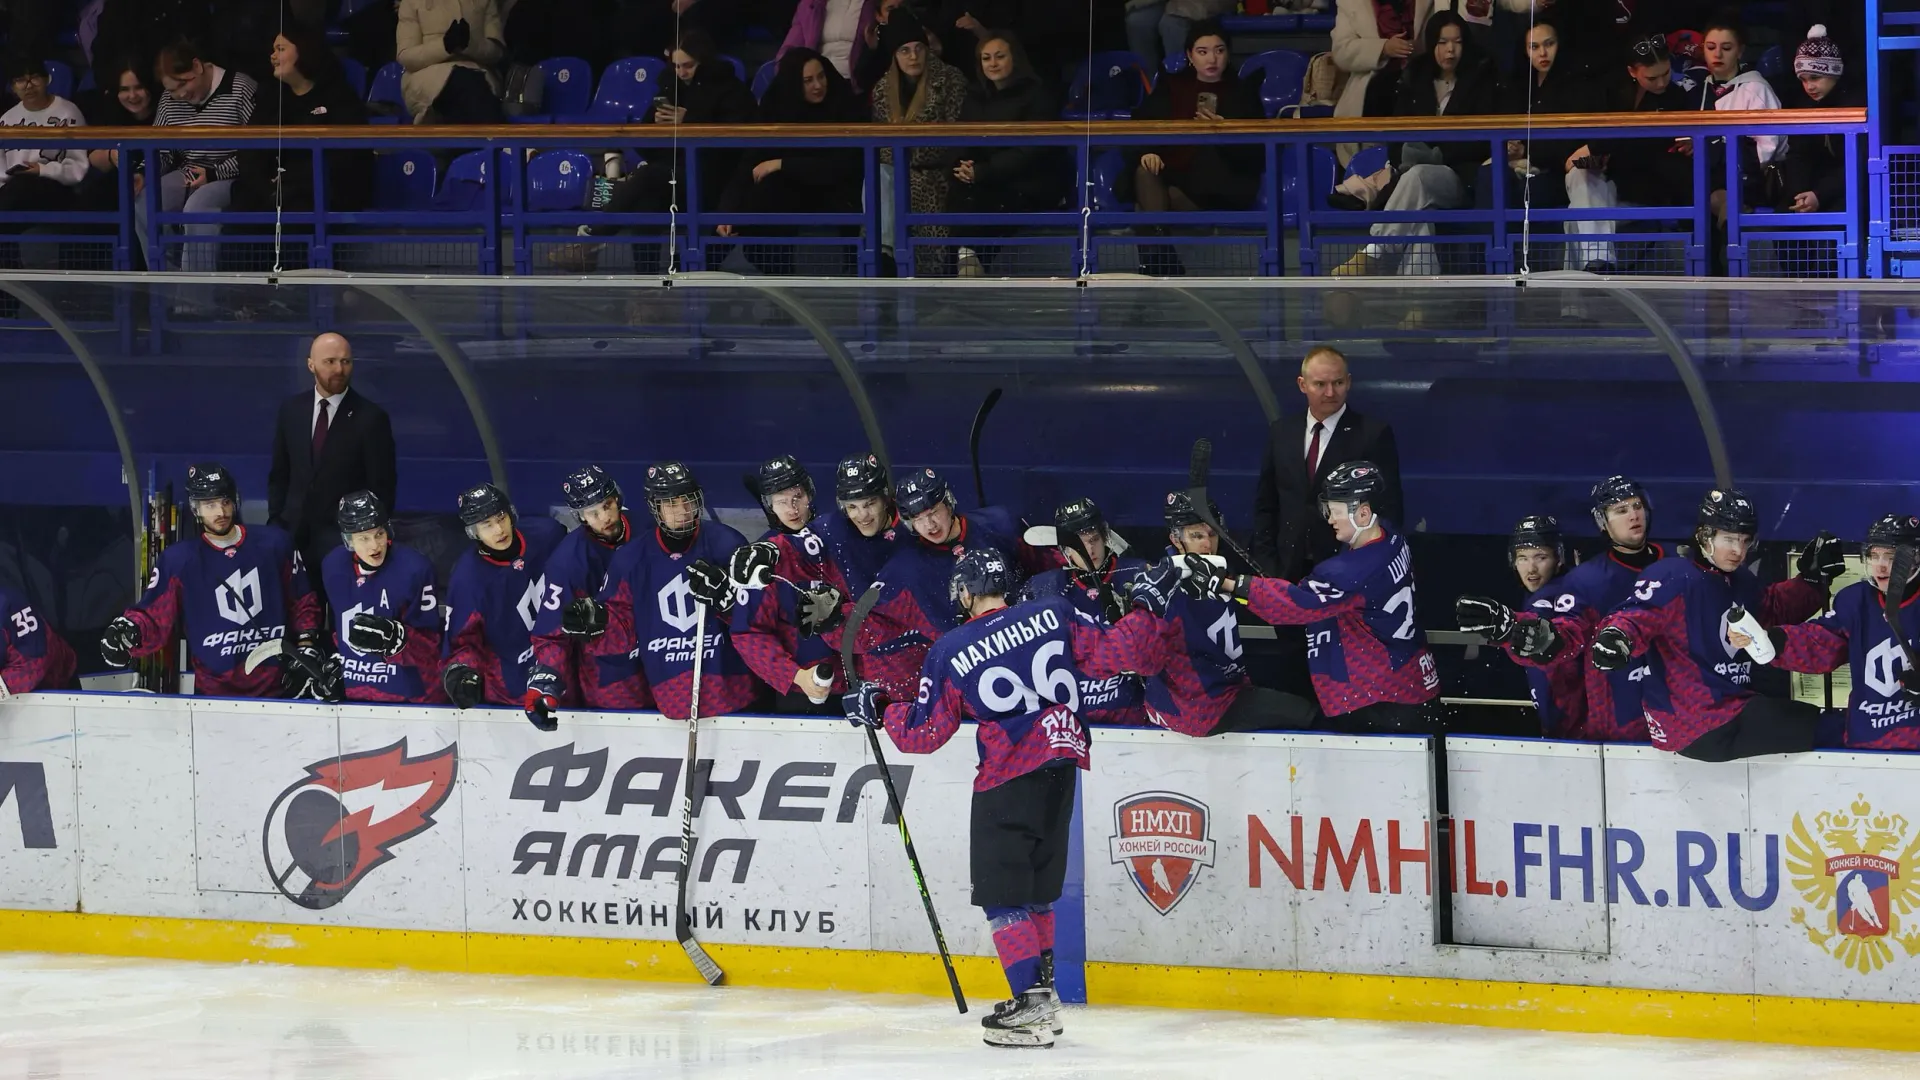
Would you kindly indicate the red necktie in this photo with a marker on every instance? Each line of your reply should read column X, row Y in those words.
column 320, row 430
column 1313, row 451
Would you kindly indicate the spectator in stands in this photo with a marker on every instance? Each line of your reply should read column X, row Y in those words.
column 1372, row 42
column 199, row 181
column 1012, row 179
column 1814, row 172
column 141, row 27
column 1552, row 84
column 1450, row 77
column 704, row 91
column 38, row 176
column 1730, row 87
column 129, row 104
column 1157, row 29
column 843, row 31
column 1189, row 177
column 918, row 88
column 309, row 89
column 449, row 48
column 873, row 62
column 807, row 89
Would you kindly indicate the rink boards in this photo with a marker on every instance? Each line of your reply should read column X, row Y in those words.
column 1579, row 887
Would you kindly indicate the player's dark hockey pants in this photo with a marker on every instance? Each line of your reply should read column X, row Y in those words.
column 1019, row 841
column 1763, row 726
column 1257, row 708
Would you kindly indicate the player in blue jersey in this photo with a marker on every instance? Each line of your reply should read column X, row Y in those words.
column 1556, row 672
column 1099, row 590
column 792, row 595
column 579, row 569
column 495, row 597
column 32, row 656
column 387, row 620
column 231, row 589
column 1881, row 707
column 867, row 531
column 1017, row 671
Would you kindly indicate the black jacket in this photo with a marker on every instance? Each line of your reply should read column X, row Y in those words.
column 303, row 494
column 349, row 172
column 1649, row 171
column 1818, row 163
column 713, row 96
column 1476, row 92
column 1043, row 174
column 830, row 175
column 1233, row 170
column 1289, row 535
column 1566, row 90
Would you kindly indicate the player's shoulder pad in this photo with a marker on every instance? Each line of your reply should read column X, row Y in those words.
column 1556, row 597
column 1863, row 596
column 543, row 534
column 341, row 559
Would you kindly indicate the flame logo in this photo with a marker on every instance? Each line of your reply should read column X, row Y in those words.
column 332, row 827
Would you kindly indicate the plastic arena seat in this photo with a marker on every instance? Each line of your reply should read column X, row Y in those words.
column 404, row 181
column 627, row 89
column 1109, row 86
column 386, row 91
column 567, row 85
column 559, row 180
column 59, row 79
column 763, row 78
column 739, row 68
column 1103, row 176
column 465, row 185
column 1282, row 73
column 1773, row 63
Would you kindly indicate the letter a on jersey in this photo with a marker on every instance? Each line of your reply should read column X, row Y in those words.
column 1161, row 838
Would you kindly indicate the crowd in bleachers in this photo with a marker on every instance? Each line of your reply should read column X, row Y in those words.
column 925, row 62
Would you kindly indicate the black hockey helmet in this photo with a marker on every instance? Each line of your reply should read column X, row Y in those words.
column 587, row 486
column 359, row 511
column 1893, row 530
column 861, row 478
column 1612, row 490
column 920, row 492
column 981, row 572
column 1537, row 531
column 480, row 502
column 1079, row 515
column 1352, row 483
column 780, row 474
column 208, row 481
column 1726, row 510
column 1181, row 513
column 671, row 480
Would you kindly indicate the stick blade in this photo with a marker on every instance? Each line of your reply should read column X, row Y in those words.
column 702, row 962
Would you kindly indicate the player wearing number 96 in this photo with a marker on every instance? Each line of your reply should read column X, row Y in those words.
column 32, row 656
column 495, row 596
column 387, row 620
column 1369, row 661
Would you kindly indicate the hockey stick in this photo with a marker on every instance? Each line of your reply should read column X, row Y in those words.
column 683, row 925
column 973, row 446
column 1199, row 465
column 848, row 636
column 1905, row 560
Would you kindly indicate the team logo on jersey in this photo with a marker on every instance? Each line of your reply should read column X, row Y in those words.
column 1856, row 870
column 331, row 828
column 678, row 608
column 238, row 597
column 1162, row 840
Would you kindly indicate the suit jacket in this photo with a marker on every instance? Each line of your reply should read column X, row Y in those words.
column 302, row 494
column 1289, row 535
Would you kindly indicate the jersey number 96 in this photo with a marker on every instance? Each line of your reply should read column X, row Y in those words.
column 1002, row 690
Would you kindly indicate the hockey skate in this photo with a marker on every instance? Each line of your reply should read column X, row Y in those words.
column 1053, row 996
column 1021, row 1022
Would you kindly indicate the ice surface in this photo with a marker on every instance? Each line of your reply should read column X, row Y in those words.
column 69, row 1018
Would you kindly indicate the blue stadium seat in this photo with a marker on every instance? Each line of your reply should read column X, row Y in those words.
column 764, row 78
column 626, row 89
column 559, row 180
column 404, row 181
column 739, row 69
column 568, row 86
column 1773, row 63
column 355, row 73
column 1109, row 86
column 1281, row 72
column 465, row 185
column 386, row 89
column 1103, row 175
column 59, row 79
column 1174, row 64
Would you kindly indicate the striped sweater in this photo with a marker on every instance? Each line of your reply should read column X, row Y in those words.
column 230, row 104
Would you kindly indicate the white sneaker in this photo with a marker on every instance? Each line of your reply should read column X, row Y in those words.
column 968, row 264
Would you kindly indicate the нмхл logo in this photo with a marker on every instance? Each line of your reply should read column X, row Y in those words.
column 328, row 830
column 1162, row 838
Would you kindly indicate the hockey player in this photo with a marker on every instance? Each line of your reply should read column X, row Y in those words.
column 1556, row 673
column 578, row 568
column 238, row 587
column 1573, row 607
column 387, row 620
column 494, row 599
column 1017, row 672
column 1881, row 708
column 1099, row 590
column 793, row 595
column 642, row 625
column 1368, row 658
column 32, row 656
column 1697, row 696
column 867, row 531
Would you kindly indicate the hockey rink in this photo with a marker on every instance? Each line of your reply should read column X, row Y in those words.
column 87, row 1018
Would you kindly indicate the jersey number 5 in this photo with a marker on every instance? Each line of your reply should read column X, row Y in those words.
column 1002, row 690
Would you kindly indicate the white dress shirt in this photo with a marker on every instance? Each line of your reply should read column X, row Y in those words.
column 1327, row 428
column 333, row 409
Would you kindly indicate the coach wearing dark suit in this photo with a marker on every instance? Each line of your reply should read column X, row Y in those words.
column 329, row 441
column 1289, row 533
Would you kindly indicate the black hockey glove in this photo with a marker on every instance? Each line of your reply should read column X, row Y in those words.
column 710, row 586
column 1153, row 589
column 1910, row 684
column 583, row 617
column 1112, row 608
column 1485, row 616
column 543, row 697
column 1202, row 575
column 819, row 609
column 1534, row 639
column 458, row 36
column 1611, row 649
column 1821, row 560
column 331, row 686
column 302, row 670
column 464, row 685
column 751, row 567
column 118, row 641
column 865, row 704
column 377, row 635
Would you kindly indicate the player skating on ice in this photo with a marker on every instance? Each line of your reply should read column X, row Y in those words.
column 494, row 599
column 387, row 620
column 1698, row 695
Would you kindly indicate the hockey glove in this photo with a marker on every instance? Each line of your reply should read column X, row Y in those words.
column 1760, row 644
column 1153, row 589
column 1910, row 684
column 865, row 704
column 118, row 641
column 377, row 635
column 332, row 684
column 1611, row 649
column 302, row 669
column 583, row 617
column 819, row 609
column 1534, row 639
column 1112, row 609
column 1821, row 561
column 709, row 585
column 543, row 697
column 751, row 567
column 1485, row 616
column 463, row 685
column 458, row 36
